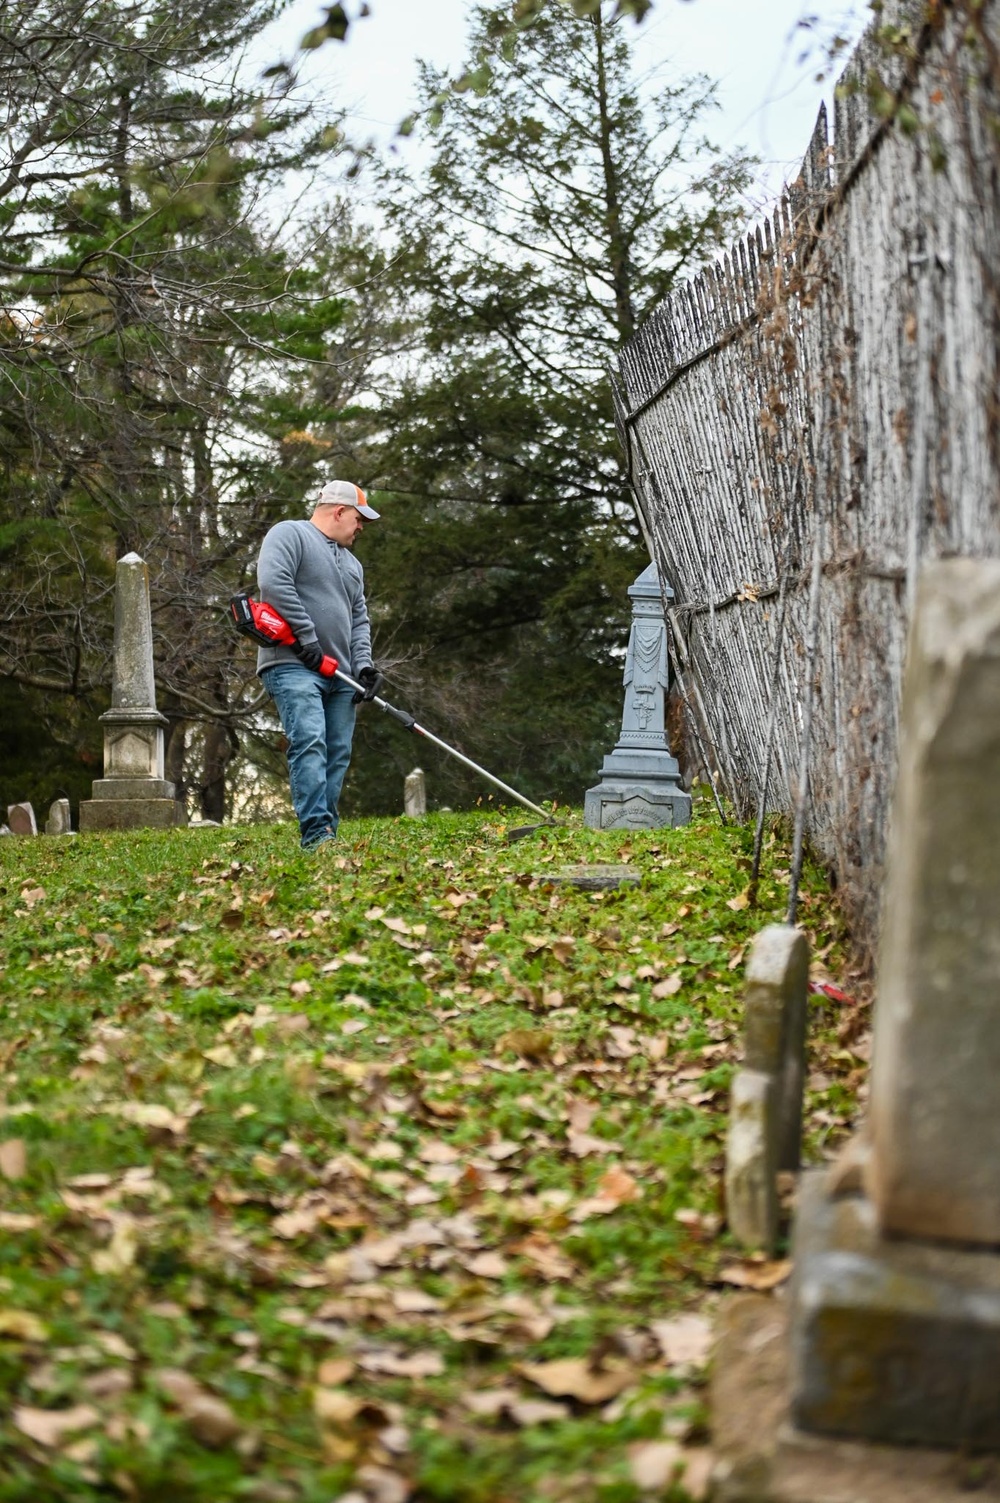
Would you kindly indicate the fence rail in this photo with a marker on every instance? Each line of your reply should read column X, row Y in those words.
column 830, row 391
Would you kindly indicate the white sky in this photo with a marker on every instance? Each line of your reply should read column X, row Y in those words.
column 753, row 48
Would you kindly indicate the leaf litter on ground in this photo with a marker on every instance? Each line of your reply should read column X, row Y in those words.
column 459, row 1237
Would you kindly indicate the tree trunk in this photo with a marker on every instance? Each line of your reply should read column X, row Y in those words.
column 175, row 756
column 618, row 251
column 220, row 748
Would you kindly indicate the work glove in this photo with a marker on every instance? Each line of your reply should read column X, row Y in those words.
column 371, row 679
column 310, row 655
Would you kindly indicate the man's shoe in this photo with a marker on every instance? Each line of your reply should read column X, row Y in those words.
column 317, row 845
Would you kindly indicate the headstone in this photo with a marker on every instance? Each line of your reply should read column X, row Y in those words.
column 896, row 1306
column 765, row 1122
column 751, row 1163
column 21, row 818
column 640, row 785
column 415, row 794
column 59, row 820
column 777, row 1000
column 133, row 793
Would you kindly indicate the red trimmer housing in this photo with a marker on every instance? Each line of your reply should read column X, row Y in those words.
column 257, row 619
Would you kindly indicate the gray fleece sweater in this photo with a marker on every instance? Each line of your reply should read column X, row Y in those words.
column 319, row 588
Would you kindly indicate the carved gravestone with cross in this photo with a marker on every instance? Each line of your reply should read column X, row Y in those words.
column 640, row 780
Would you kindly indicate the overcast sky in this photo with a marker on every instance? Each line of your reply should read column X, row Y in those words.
column 753, row 48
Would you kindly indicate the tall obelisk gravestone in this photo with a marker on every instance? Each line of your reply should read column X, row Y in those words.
column 133, row 793
column 640, row 781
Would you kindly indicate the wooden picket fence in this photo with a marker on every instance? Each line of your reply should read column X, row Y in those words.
column 813, row 416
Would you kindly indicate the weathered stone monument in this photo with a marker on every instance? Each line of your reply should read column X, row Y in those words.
column 133, row 792
column 415, row 794
column 765, row 1121
column 640, row 780
column 21, row 819
column 895, row 1307
column 59, row 819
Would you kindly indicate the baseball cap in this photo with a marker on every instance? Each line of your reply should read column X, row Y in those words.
column 346, row 493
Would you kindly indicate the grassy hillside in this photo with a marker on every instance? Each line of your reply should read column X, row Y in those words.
column 388, row 1172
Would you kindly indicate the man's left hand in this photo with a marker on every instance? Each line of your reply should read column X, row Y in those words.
column 371, row 681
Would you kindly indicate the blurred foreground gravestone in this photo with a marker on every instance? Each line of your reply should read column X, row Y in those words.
column 895, row 1306
column 133, row 793
column 765, row 1113
column 415, row 794
column 21, row 819
column 640, row 780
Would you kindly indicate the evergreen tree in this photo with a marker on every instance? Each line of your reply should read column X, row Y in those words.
column 147, row 312
column 563, row 201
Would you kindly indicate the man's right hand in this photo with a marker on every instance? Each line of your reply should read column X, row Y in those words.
column 310, row 655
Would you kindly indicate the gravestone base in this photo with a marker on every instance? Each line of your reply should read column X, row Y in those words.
column 637, row 791
column 107, row 790
column 762, row 1458
column 131, row 813
column 893, row 1339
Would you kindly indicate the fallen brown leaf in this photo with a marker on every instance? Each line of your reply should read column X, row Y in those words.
column 529, row 1043
column 121, row 1251
column 699, row 1463
column 580, row 1114
column 581, row 1144
column 759, row 1276
column 406, row 1365
column 332, row 1406
column 654, row 1463
column 444, row 1109
column 50, row 1427
column 223, row 1055
column 488, row 1265
column 211, row 1420
column 490, row 1401
column 13, row 1159
column 574, row 1378
column 151, row 1114
column 382, row 1485
column 438, row 1152
column 685, row 1341
column 21, row 1325
column 414, row 1302
column 546, row 1254
column 504, row 1149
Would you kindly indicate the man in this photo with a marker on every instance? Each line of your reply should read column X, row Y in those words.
column 307, row 572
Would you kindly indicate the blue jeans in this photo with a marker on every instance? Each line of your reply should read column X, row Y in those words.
column 317, row 717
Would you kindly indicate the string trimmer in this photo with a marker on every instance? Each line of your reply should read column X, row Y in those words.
column 254, row 618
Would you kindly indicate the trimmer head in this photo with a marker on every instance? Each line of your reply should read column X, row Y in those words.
column 522, row 830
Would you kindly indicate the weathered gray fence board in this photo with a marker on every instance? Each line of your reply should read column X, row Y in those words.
column 839, row 369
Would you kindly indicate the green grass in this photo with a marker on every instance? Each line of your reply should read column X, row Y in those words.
column 512, row 1028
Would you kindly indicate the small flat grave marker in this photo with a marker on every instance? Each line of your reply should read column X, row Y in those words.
column 598, row 878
